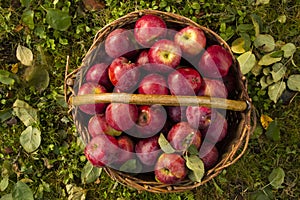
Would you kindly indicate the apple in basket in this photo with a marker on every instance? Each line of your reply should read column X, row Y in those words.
column 126, row 149
column 209, row 154
column 98, row 73
column 170, row 168
column 213, row 88
column 98, row 125
column 191, row 40
column 92, row 88
column 199, row 117
column 153, row 84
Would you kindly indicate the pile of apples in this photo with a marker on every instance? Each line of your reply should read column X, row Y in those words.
column 155, row 59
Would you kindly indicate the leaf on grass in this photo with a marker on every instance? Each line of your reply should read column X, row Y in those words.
column 25, row 112
column 30, row 139
column 288, row 50
column 268, row 59
column 25, row 3
column 58, row 19
column 282, row 19
column 238, row 46
column 27, row 18
column 4, row 183
column 278, row 71
column 75, row 193
column 7, row 197
column 257, row 23
column 265, row 120
column 293, row 82
column 5, row 77
column 90, row 173
column 263, row 82
column 276, row 90
column 195, row 164
column 21, row 191
column 24, row 55
column 276, row 177
column 256, row 70
column 264, row 42
column 165, row 145
column 273, row 131
column 247, row 61
column 39, row 78
column 132, row 166
column 258, row 2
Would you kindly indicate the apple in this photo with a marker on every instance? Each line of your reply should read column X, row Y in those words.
column 213, row 88
column 191, row 40
column 98, row 125
column 215, row 62
column 143, row 61
column 123, row 74
column 170, row 168
column 209, row 154
column 98, row 73
column 150, row 121
column 102, row 150
column 148, row 150
column 199, row 117
column 153, row 84
column 176, row 113
column 148, row 29
column 184, row 81
column 217, row 130
column 92, row 88
column 126, row 149
column 165, row 54
column 119, row 42
column 120, row 116
column 182, row 135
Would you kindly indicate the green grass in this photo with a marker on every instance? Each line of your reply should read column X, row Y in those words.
column 59, row 159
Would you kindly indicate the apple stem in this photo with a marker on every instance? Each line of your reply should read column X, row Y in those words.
column 165, row 100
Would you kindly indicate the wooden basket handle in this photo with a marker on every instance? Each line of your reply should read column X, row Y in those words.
column 165, row 100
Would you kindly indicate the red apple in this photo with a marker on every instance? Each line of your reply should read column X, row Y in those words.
column 191, row 40
column 148, row 29
column 102, row 150
column 217, row 130
column 165, row 54
column 153, row 84
column 209, row 155
column 170, row 168
column 121, row 117
column 215, row 62
column 123, row 74
column 199, row 117
column 148, row 150
column 213, row 88
column 119, row 42
column 126, row 149
column 182, row 135
column 176, row 113
column 92, row 88
column 98, row 73
column 98, row 125
column 184, row 81
column 143, row 62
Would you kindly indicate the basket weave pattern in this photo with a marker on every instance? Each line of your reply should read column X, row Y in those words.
column 239, row 123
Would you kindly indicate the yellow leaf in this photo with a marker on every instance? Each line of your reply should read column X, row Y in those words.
column 265, row 121
column 238, row 46
column 15, row 68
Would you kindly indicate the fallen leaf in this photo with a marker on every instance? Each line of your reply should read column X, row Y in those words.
column 276, row 90
column 293, row 82
column 268, row 60
column 264, row 42
column 24, row 55
column 238, row 46
column 288, row 50
column 247, row 61
column 265, row 120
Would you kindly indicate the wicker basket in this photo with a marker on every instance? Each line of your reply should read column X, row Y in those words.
column 239, row 123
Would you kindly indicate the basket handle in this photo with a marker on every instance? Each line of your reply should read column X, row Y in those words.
column 166, row 100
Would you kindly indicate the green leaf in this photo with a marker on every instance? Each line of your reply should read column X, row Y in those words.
column 7, row 197
column 192, row 150
column 256, row 70
column 238, row 46
column 268, row 60
column 273, row 131
column 289, row 49
column 30, row 139
column 38, row 78
column 257, row 23
column 5, row 77
column 195, row 164
column 5, row 114
column 90, row 173
column 4, row 183
column 25, row 112
column 58, row 19
column 276, row 177
column 25, row 3
column 263, row 82
column 24, row 55
column 132, row 166
column 293, row 82
column 277, row 54
column 264, row 42
column 75, row 193
column 278, row 71
column 195, row 5
column 282, row 19
column 165, row 145
column 244, row 27
column 276, row 90
column 247, row 61
column 27, row 18
column 21, row 191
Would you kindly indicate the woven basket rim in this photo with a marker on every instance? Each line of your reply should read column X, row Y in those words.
column 245, row 127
